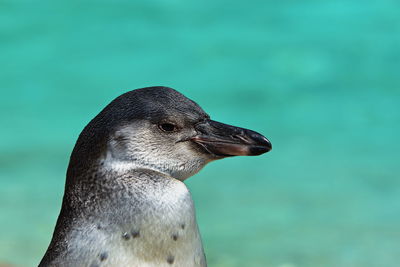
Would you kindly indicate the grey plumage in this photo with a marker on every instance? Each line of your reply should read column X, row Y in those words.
column 125, row 203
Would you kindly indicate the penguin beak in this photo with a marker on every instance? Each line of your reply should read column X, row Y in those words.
column 224, row 140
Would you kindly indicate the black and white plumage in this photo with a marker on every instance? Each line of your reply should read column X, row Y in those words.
column 125, row 203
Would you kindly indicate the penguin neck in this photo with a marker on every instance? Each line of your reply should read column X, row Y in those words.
column 121, row 166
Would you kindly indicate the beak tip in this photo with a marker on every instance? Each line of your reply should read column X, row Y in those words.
column 263, row 146
column 261, row 149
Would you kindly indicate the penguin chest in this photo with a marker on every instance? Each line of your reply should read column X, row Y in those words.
column 162, row 231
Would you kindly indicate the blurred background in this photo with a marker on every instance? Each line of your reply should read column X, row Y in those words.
column 319, row 78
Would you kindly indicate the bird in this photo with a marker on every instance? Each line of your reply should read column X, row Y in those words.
column 125, row 202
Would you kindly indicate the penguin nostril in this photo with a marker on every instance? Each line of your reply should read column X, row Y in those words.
column 240, row 138
column 235, row 137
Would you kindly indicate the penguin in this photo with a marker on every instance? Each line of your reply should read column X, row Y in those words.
column 125, row 203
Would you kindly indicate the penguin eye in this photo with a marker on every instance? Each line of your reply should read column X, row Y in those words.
column 168, row 127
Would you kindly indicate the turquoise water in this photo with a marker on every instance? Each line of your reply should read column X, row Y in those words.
column 319, row 78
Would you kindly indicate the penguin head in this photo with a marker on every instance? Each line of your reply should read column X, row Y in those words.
column 158, row 128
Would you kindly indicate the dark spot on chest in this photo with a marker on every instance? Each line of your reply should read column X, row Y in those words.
column 103, row 256
column 135, row 234
column 170, row 259
column 175, row 237
column 183, row 226
column 126, row 236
